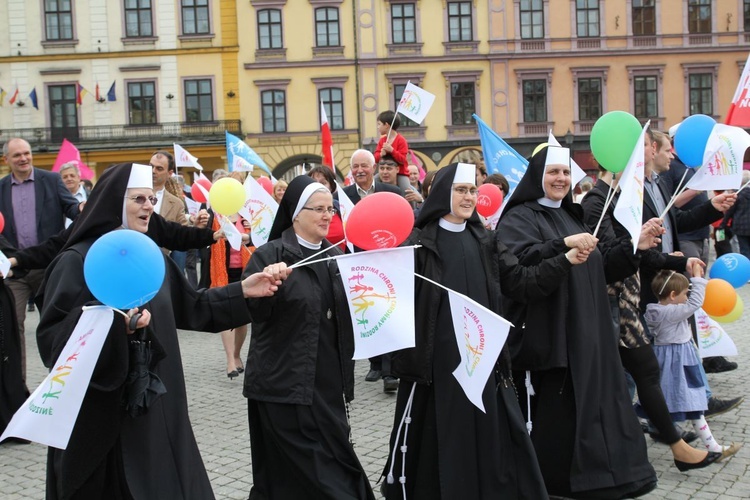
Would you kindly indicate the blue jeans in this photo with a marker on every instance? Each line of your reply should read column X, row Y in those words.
column 179, row 258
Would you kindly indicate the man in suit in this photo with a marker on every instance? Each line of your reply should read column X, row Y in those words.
column 169, row 206
column 34, row 203
column 363, row 171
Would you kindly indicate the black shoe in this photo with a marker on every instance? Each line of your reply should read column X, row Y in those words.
column 687, row 436
column 390, row 384
column 712, row 457
column 718, row 364
column 233, row 374
column 31, row 308
column 373, row 375
column 718, row 406
column 240, row 369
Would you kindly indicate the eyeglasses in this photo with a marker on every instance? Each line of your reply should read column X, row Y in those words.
column 321, row 210
column 463, row 191
column 141, row 199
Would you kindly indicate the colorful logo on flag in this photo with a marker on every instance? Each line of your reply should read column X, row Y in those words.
column 474, row 338
column 410, row 102
column 713, row 340
column 372, row 295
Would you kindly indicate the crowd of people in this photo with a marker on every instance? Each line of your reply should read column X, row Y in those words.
column 594, row 322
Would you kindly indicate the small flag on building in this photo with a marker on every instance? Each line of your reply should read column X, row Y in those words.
column 111, row 93
column 33, row 99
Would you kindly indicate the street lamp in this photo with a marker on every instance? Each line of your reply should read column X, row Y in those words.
column 569, row 138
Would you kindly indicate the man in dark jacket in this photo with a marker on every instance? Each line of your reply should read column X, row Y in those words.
column 34, row 203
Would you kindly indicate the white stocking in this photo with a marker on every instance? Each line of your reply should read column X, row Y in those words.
column 701, row 427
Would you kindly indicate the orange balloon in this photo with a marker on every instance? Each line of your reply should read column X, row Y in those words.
column 720, row 299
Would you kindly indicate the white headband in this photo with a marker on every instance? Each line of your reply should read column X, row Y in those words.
column 466, row 173
column 140, row 177
column 557, row 156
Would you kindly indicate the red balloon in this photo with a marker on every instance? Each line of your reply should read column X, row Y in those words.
column 197, row 193
column 265, row 182
column 2, row 222
column 381, row 220
column 489, row 200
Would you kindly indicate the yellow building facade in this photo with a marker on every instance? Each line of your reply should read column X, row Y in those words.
column 186, row 70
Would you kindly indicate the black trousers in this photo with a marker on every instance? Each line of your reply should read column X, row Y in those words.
column 643, row 366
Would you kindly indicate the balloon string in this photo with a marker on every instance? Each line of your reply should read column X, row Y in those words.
column 607, row 202
column 303, row 261
column 677, row 192
column 306, row 261
column 124, row 314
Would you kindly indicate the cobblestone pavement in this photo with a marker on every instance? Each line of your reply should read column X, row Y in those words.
column 219, row 416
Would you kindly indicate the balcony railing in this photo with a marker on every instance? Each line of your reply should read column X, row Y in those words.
column 212, row 131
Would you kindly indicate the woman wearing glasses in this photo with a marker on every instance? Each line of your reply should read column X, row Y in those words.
column 299, row 372
column 449, row 448
column 112, row 454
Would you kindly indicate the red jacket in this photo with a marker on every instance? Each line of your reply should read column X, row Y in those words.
column 400, row 149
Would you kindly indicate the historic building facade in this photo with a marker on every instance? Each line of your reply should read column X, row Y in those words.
column 186, row 70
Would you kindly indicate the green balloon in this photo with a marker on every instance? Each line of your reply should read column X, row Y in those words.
column 613, row 138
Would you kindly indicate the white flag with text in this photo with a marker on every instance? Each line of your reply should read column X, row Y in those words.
column 480, row 336
column 415, row 103
column 49, row 414
column 380, row 293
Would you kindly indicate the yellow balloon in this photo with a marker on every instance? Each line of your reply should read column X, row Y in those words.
column 227, row 196
column 539, row 148
column 732, row 316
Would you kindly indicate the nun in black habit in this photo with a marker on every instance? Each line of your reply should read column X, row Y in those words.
column 585, row 432
column 112, row 454
column 299, row 373
column 454, row 449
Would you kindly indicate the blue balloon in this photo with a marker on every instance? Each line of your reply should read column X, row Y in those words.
column 691, row 138
column 733, row 268
column 124, row 269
